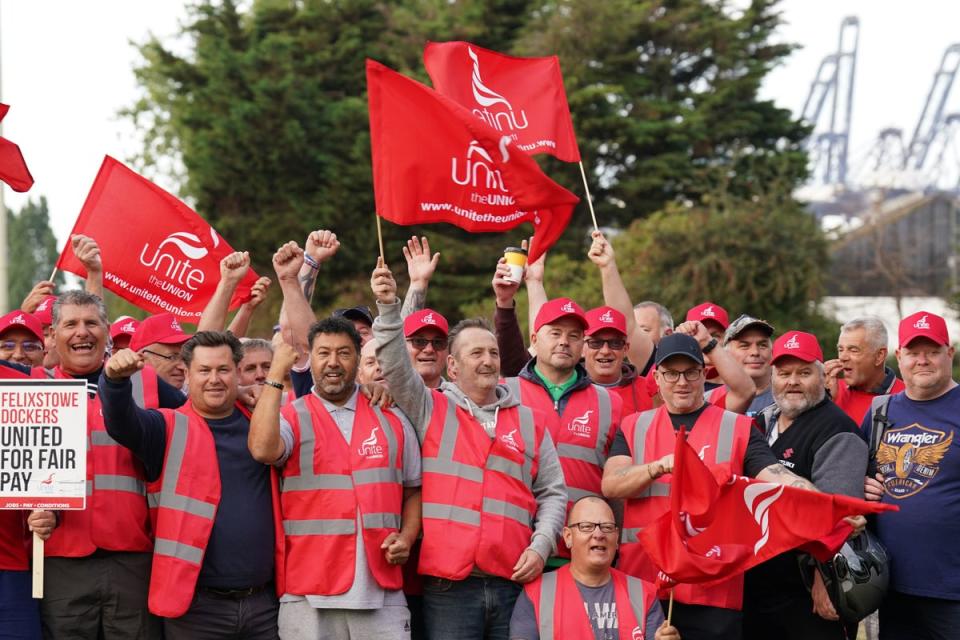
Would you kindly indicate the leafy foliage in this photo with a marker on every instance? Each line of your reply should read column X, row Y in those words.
column 31, row 249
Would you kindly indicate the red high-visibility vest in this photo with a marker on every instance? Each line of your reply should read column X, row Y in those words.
column 183, row 505
column 720, row 437
column 478, row 503
column 583, row 434
column 635, row 396
column 116, row 515
column 325, row 480
column 560, row 612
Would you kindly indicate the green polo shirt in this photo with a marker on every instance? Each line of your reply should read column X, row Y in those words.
column 556, row 391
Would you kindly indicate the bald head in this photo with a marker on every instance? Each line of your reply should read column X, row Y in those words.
column 590, row 509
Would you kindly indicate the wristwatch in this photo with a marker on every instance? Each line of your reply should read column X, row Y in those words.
column 275, row 385
column 707, row 348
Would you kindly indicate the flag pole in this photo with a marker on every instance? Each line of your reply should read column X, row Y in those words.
column 380, row 236
column 670, row 608
column 53, row 274
column 586, row 189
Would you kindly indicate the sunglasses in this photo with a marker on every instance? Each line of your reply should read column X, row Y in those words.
column 439, row 344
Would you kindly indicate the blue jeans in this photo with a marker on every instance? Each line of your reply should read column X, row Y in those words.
column 477, row 608
column 19, row 612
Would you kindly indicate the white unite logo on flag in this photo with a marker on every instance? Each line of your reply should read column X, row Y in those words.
column 179, row 270
column 477, row 172
column 760, row 507
column 486, row 97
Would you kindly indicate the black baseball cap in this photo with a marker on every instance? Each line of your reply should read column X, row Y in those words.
column 361, row 313
column 679, row 344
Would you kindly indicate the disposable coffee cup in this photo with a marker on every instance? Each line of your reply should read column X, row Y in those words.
column 516, row 260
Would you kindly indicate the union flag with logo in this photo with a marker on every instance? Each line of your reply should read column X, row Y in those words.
column 523, row 98
column 717, row 529
column 433, row 161
column 13, row 168
column 157, row 253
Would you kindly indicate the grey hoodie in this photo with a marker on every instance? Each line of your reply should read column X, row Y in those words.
column 416, row 401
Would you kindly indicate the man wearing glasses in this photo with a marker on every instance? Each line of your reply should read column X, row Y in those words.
column 604, row 352
column 642, row 456
column 587, row 598
column 426, row 335
column 21, row 339
column 158, row 339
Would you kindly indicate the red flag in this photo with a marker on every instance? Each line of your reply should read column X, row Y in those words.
column 157, row 252
column 13, row 168
column 520, row 97
column 715, row 531
column 435, row 162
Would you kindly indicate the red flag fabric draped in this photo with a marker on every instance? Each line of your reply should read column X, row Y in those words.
column 716, row 530
column 435, row 162
column 520, row 97
column 13, row 168
column 157, row 252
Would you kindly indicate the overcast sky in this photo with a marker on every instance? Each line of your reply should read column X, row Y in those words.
column 66, row 69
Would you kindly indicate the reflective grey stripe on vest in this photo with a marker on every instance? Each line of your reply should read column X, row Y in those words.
column 379, row 475
column 604, row 422
column 506, row 510
column 514, row 385
column 725, row 437
column 119, row 483
column 635, row 593
column 178, row 550
column 153, row 499
column 444, row 463
column 640, row 429
column 308, row 480
column 319, row 527
column 529, row 432
column 630, row 535
column 452, row 513
column 102, row 439
column 176, row 451
column 655, row 490
column 548, row 596
column 574, row 494
column 709, row 394
column 136, row 381
column 380, row 521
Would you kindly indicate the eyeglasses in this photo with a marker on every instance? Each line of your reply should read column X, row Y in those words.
column 439, row 344
column 615, row 343
column 30, row 346
column 691, row 375
column 590, row 527
column 173, row 357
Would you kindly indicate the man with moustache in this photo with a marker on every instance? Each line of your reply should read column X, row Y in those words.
column 917, row 468
column 860, row 372
column 813, row 438
column 588, row 598
column 493, row 494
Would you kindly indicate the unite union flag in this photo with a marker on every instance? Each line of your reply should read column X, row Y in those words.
column 523, row 98
column 157, row 253
column 434, row 161
column 717, row 530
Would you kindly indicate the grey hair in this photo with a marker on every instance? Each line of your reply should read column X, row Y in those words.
column 666, row 319
column 467, row 323
column 79, row 298
column 256, row 344
column 874, row 330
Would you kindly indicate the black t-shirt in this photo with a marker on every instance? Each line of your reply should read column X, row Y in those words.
column 757, row 458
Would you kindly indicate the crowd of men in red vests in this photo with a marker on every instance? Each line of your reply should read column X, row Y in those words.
column 399, row 475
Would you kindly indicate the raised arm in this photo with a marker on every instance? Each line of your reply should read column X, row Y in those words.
column 513, row 351
column 407, row 387
column 233, row 269
column 241, row 319
column 287, row 263
column 624, row 479
column 264, row 439
column 740, row 386
column 88, row 253
column 536, row 293
column 420, row 267
column 615, row 295
column 40, row 291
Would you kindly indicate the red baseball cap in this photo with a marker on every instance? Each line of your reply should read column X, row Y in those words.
column 797, row 344
column 163, row 328
column 709, row 311
column 124, row 325
column 923, row 324
column 559, row 308
column 425, row 319
column 22, row 320
column 44, row 310
column 605, row 318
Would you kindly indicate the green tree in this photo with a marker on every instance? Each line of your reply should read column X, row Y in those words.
column 31, row 249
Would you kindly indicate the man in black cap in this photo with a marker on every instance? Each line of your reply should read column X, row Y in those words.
column 642, row 454
column 362, row 320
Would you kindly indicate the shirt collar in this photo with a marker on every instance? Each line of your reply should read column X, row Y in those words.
column 349, row 405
